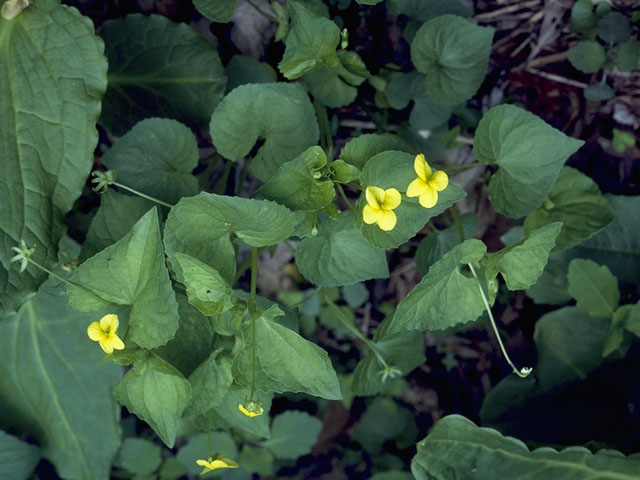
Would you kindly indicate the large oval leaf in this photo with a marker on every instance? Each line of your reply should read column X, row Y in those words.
column 53, row 75
column 158, row 68
column 279, row 113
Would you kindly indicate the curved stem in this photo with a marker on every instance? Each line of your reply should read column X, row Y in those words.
column 523, row 372
column 344, row 197
column 254, row 342
column 453, row 169
column 456, row 219
column 143, row 195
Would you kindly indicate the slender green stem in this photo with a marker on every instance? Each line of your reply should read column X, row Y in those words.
column 325, row 128
column 453, row 169
column 244, row 266
column 65, row 281
column 344, row 197
column 143, row 195
column 243, row 175
column 262, row 12
column 523, row 372
column 352, row 328
column 222, row 181
column 456, row 219
column 214, row 159
column 254, row 342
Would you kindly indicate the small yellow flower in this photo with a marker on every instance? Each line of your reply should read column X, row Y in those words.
column 379, row 207
column 215, row 462
column 253, row 408
column 104, row 332
column 428, row 183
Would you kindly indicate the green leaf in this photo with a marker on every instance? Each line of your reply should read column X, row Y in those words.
column 206, row 289
column 139, row 456
column 116, row 216
column 395, row 170
column 358, row 151
column 53, row 386
column 156, row 157
column 335, row 86
column 209, row 384
column 17, row 459
column 193, row 341
column 405, row 87
column 368, row 2
column 622, row 139
column 226, row 414
column 456, row 447
column 53, row 75
column 522, row 263
column 576, row 201
column 515, row 139
column 158, row 68
column 582, row 16
column 614, row 27
column 594, row 287
column 423, row 11
column 198, row 447
column 402, row 350
column 157, row 393
column 598, row 92
column 436, row 244
column 256, row 460
column 279, row 113
column 342, row 172
column 383, row 420
column 301, row 184
column 427, row 114
column 243, row 69
column 131, row 272
column 454, row 54
column 339, row 255
column 627, row 317
column 444, row 297
column 355, row 294
column 293, row 433
column 219, row 11
column 587, row 56
column 286, row 362
column 628, row 56
column 312, row 41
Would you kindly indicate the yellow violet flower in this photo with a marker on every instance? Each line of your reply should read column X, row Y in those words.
column 379, row 207
column 428, row 183
column 253, row 408
column 104, row 332
column 215, row 462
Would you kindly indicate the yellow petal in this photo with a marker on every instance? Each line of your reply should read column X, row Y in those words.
column 428, row 197
column 421, row 167
column 95, row 332
column 439, row 180
column 246, row 412
column 203, row 463
column 392, row 199
column 416, row 187
column 109, row 322
column 116, row 342
column 374, row 196
column 370, row 215
column 387, row 220
column 107, row 346
column 223, row 463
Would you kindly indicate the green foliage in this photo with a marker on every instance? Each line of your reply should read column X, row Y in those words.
column 339, row 255
column 301, row 184
column 53, row 387
column 139, row 456
column 587, row 56
column 361, row 149
column 293, row 433
column 279, row 113
column 522, row 263
column 216, row 10
column 628, row 56
column 445, row 297
column 53, row 73
column 157, row 393
column 17, row 458
column 614, row 27
column 287, row 362
column 456, row 446
column 514, row 139
column 454, row 54
column 594, row 287
column 158, row 68
column 243, row 69
column 209, row 384
column 131, row 272
column 156, row 157
column 576, row 201
column 582, row 16
column 424, row 11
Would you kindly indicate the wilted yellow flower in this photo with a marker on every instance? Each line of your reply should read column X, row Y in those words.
column 104, row 332
column 252, row 409
column 379, row 207
column 428, row 183
column 215, row 462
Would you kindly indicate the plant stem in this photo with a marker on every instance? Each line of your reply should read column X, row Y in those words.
column 325, row 128
column 352, row 328
column 453, row 169
column 522, row 373
column 267, row 15
column 344, row 197
column 143, row 195
column 456, row 219
column 254, row 342
column 224, row 178
column 213, row 161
